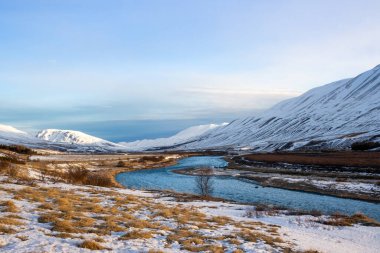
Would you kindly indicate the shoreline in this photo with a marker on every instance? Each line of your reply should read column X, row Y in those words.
column 292, row 187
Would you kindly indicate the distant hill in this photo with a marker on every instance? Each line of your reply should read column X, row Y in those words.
column 64, row 140
column 180, row 138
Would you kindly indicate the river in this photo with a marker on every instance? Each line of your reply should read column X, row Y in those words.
column 241, row 190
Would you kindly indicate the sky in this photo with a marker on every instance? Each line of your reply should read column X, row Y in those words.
column 125, row 70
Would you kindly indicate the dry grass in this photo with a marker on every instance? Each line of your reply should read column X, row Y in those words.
column 48, row 217
column 204, row 248
column 342, row 220
column 92, row 245
column 63, row 235
column 6, row 230
column 22, row 237
column 10, row 206
column 136, row 234
column 254, row 236
column 139, row 223
column 46, row 206
column 367, row 159
column 155, row 251
column 10, row 221
column 220, row 220
column 65, row 226
column 83, row 221
column 180, row 234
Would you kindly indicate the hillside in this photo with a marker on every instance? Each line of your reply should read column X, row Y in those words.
column 332, row 116
column 184, row 136
column 63, row 140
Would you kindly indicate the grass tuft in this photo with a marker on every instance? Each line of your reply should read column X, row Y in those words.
column 92, row 245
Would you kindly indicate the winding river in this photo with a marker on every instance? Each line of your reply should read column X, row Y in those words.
column 240, row 190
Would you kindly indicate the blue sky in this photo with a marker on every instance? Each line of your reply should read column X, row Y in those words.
column 73, row 63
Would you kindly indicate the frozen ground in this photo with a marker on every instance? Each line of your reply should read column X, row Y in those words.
column 168, row 225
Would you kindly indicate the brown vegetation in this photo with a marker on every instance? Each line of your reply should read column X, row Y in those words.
column 92, row 245
column 10, row 206
column 371, row 159
column 136, row 234
column 204, row 182
column 364, row 145
column 18, row 149
column 338, row 219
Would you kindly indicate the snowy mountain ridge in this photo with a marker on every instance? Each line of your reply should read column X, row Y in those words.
column 331, row 116
column 179, row 138
column 68, row 136
column 6, row 129
column 64, row 140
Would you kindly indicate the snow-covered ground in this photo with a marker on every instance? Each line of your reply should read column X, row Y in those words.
column 356, row 187
column 218, row 223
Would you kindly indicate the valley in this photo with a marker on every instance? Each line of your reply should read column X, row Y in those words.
column 302, row 177
column 54, row 201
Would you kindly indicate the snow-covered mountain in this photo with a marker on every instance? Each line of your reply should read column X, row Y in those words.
column 6, row 130
column 180, row 138
column 11, row 135
column 331, row 116
column 68, row 136
column 64, row 140
column 75, row 138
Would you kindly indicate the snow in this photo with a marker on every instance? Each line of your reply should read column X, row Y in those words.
column 68, row 136
column 54, row 139
column 306, row 234
column 333, row 116
column 10, row 135
column 301, row 231
column 180, row 138
column 10, row 129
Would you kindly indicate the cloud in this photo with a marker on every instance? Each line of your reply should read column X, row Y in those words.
column 241, row 92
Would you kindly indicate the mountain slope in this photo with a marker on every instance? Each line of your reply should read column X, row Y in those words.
column 180, row 138
column 74, row 138
column 331, row 116
column 11, row 135
column 68, row 136
column 62, row 140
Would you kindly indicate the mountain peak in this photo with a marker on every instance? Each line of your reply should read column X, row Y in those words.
column 10, row 129
column 331, row 116
column 177, row 139
column 68, row 136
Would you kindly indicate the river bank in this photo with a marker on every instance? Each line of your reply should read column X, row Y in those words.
column 335, row 174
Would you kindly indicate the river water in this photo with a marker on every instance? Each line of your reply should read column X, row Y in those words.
column 241, row 190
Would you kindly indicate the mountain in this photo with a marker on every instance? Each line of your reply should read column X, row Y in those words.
column 10, row 131
column 68, row 136
column 180, row 138
column 332, row 116
column 75, row 138
column 11, row 135
column 63, row 140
